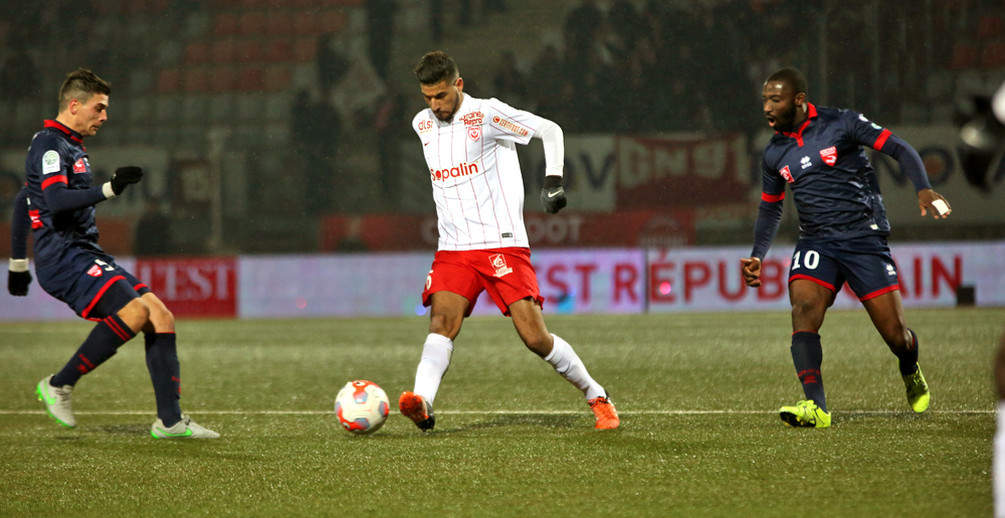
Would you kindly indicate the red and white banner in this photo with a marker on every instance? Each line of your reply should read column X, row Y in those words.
column 192, row 287
column 691, row 170
column 575, row 281
column 930, row 274
column 609, row 172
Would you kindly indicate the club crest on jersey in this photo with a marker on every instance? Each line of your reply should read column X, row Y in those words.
column 786, row 174
column 80, row 166
column 36, row 219
column 499, row 263
column 829, row 155
column 94, row 271
column 474, row 133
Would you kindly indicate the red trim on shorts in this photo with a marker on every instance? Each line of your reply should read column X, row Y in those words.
column 807, row 277
column 772, row 198
column 101, row 292
column 54, row 179
column 879, row 292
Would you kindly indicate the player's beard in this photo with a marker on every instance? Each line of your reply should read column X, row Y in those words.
column 786, row 121
column 449, row 117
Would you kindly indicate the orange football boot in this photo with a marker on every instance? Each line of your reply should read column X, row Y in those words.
column 416, row 408
column 607, row 415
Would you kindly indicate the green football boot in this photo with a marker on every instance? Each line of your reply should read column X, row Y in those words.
column 805, row 414
column 918, row 394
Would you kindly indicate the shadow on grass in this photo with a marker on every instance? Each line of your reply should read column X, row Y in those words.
column 132, row 429
column 897, row 416
column 537, row 420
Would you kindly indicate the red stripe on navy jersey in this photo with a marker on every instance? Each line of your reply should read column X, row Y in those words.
column 101, row 292
column 772, row 198
column 57, row 125
column 55, row 179
column 881, row 139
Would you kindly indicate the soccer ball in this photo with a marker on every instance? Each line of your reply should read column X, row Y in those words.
column 361, row 407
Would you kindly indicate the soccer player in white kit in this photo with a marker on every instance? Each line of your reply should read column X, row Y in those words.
column 470, row 149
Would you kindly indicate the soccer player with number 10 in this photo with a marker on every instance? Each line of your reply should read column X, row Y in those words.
column 818, row 153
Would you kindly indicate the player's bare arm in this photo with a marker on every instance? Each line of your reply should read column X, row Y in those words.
column 751, row 269
column 932, row 202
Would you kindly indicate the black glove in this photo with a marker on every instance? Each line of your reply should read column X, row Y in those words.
column 17, row 283
column 553, row 194
column 124, row 176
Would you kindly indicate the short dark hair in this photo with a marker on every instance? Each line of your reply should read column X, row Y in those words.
column 436, row 67
column 81, row 84
column 791, row 76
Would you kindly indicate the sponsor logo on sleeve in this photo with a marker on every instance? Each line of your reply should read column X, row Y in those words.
column 510, row 126
column 829, row 155
column 50, row 162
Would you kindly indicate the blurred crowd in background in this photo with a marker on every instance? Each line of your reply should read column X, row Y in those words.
column 317, row 96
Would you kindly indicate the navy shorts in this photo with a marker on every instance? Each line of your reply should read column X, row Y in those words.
column 90, row 283
column 865, row 263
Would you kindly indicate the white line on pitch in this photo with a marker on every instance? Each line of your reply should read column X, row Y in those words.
column 500, row 412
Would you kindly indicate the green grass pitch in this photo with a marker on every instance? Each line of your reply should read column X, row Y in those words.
column 698, row 396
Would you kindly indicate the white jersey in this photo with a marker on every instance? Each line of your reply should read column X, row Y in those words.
column 475, row 171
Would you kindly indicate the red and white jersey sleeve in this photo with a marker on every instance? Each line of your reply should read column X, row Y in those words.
column 475, row 172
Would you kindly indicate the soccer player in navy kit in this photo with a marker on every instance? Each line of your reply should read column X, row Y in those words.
column 818, row 153
column 57, row 206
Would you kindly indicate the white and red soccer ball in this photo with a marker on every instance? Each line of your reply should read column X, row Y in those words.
column 362, row 407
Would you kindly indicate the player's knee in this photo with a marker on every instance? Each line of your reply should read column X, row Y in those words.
column 807, row 308
column 445, row 325
column 539, row 343
column 161, row 319
column 136, row 314
column 899, row 340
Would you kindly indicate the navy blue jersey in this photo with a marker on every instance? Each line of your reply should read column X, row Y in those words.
column 60, row 199
column 833, row 184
